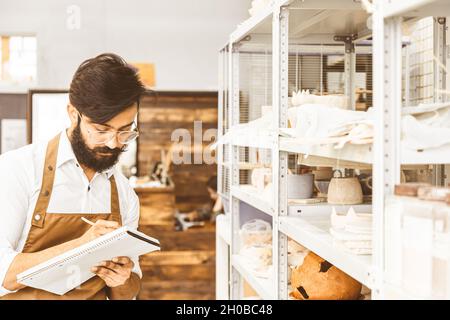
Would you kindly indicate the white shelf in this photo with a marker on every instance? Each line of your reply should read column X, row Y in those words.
column 316, row 18
column 314, row 235
column 252, row 141
column 361, row 155
column 416, row 8
column 323, row 209
column 251, row 196
column 352, row 153
column 431, row 156
column 246, row 165
column 263, row 287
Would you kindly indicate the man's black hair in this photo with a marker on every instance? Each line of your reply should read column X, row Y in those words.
column 105, row 86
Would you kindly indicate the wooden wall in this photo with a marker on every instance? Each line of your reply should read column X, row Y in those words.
column 12, row 106
column 159, row 116
column 185, row 266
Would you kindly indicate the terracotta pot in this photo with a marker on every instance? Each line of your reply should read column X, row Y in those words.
column 344, row 190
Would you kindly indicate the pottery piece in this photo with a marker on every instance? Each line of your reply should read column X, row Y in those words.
column 409, row 189
column 317, row 279
column 351, row 221
column 256, row 232
column 345, row 190
column 366, row 183
column 323, row 173
column 322, row 186
column 300, row 186
column 261, row 177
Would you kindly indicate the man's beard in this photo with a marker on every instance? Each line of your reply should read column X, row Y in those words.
column 90, row 157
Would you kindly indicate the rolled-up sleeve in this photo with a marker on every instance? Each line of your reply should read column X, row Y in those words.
column 132, row 221
column 13, row 211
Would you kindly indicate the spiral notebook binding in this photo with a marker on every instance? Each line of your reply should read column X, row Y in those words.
column 74, row 257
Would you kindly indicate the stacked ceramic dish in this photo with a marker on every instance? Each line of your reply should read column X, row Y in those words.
column 256, row 246
column 352, row 231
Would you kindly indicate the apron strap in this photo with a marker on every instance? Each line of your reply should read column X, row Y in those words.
column 115, row 204
column 40, row 209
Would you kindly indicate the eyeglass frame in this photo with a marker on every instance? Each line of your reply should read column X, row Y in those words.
column 115, row 133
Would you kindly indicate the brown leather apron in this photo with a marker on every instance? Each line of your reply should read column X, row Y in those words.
column 51, row 229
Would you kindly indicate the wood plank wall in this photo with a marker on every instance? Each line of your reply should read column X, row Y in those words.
column 159, row 116
column 185, row 266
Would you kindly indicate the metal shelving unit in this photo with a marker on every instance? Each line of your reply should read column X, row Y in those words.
column 389, row 153
column 275, row 32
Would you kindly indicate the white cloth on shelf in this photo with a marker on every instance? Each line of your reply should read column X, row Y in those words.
column 315, row 124
column 305, row 97
column 426, row 126
column 260, row 129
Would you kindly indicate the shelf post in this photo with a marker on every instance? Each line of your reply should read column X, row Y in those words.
column 349, row 68
column 439, row 71
column 387, row 105
column 220, row 116
column 222, row 248
column 279, row 168
column 236, row 279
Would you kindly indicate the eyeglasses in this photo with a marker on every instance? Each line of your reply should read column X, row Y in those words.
column 103, row 137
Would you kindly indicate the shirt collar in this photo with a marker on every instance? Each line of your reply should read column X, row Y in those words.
column 65, row 154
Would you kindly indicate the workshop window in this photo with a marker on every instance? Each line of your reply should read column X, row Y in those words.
column 18, row 55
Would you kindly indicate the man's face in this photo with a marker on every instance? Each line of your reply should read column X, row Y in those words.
column 89, row 145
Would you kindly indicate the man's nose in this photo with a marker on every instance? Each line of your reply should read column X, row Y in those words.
column 113, row 143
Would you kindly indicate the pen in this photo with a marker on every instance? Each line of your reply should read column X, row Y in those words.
column 87, row 221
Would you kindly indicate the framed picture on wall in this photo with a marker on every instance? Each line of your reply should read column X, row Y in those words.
column 47, row 116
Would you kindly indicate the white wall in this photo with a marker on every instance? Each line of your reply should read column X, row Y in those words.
column 181, row 37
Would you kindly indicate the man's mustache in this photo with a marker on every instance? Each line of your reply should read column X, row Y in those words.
column 106, row 150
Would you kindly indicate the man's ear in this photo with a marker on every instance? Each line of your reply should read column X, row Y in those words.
column 73, row 114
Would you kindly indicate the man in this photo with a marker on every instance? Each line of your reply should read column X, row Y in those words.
column 45, row 188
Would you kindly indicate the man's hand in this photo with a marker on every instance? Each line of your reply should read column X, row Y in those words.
column 100, row 228
column 116, row 272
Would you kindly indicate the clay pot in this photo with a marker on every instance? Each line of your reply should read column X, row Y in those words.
column 317, row 279
column 345, row 190
column 366, row 183
column 300, row 186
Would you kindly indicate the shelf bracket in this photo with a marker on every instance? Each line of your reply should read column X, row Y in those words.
column 349, row 67
column 348, row 41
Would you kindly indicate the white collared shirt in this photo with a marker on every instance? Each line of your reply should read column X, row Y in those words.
column 21, row 173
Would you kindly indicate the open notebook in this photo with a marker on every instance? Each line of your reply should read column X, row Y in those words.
column 70, row 269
